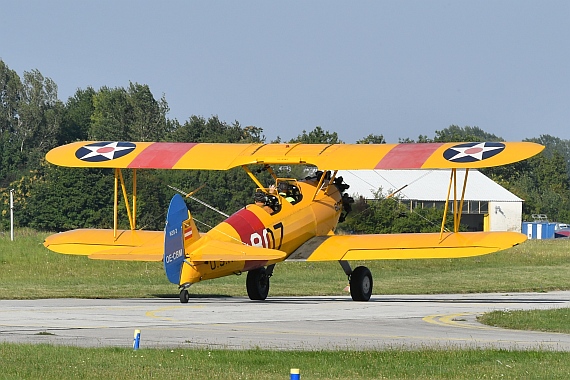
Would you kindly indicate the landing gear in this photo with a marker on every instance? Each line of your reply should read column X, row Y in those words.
column 184, row 296
column 257, row 283
column 361, row 284
column 360, row 280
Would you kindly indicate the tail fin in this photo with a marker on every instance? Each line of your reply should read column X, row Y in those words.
column 190, row 231
column 179, row 233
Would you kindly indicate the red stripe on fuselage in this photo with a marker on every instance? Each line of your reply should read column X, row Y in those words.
column 161, row 155
column 245, row 223
column 407, row 156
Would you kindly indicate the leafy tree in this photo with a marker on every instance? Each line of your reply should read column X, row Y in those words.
column 87, row 201
column 198, row 129
column 372, row 139
column 77, row 118
column 38, row 121
column 317, row 136
column 456, row 133
column 554, row 144
column 148, row 115
column 128, row 115
column 39, row 114
column 111, row 115
column 10, row 98
column 421, row 139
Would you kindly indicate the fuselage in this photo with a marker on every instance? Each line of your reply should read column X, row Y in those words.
column 316, row 214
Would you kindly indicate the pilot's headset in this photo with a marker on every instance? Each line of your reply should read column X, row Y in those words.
column 260, row 196
column 283, row 188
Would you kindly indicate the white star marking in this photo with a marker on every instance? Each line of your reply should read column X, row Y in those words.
column 475, row 151
column 108, row 151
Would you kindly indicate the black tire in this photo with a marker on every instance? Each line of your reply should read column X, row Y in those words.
column 361, row 284
column 257, row 284
column 184, row 296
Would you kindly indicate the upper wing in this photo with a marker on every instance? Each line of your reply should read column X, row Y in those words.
column 102, row 244
column 212, row 156
column 405, row 246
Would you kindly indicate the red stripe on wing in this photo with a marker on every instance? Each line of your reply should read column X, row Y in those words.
column 161, row 155
column 407, row 156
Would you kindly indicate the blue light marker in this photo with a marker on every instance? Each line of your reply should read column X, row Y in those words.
column 137, row 340
column 295, row 374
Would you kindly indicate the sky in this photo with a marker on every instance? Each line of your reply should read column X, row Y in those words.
column 394, row 68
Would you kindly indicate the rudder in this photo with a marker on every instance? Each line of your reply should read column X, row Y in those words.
column 179, row 233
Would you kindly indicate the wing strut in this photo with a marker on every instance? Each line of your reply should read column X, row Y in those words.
column 320, row 184
column 457, row 204
column 331, row 181
column 253, row 177
column 131, row 214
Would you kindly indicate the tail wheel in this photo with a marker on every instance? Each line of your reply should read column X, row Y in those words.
column 361, row 284
column 257, row 284
column 184, row 296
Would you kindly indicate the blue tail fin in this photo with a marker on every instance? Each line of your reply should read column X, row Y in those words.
column 174, row 253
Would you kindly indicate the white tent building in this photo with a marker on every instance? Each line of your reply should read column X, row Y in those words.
column 487, row 205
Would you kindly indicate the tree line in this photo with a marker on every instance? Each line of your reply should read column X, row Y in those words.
column 33, row 120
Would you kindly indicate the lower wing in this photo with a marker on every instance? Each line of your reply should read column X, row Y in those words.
column 102, row 244
column 405, row 246
column 149, row 246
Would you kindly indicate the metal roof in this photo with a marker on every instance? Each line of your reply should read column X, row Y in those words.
column 425, row 185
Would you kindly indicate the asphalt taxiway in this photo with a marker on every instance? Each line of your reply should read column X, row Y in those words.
column 307, row 323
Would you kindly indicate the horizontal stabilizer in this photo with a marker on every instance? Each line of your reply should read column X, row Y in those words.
column 101, row 244
column 405, row 246
column 215, row 250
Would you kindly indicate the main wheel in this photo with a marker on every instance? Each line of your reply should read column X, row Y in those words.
column 361, row 284
column 184, row 296
column 257, row 284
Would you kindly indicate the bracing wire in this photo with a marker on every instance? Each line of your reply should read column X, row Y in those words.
column 188, row 195
column 223, row 233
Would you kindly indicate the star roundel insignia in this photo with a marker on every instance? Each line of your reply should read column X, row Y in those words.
column 104, row 151
column 471, row 152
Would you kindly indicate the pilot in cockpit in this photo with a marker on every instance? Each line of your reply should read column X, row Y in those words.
column 267, row 201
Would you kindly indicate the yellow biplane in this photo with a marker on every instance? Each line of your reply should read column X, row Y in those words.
column 290, row 220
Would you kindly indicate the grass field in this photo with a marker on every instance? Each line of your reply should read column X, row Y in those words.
column 31, row 271
column 556, row 320
column 56, row 362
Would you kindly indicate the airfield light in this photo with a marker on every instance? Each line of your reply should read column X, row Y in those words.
column 295, row 374
column 137, row 340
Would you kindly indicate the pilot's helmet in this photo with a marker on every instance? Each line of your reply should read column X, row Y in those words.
column 260, row 197
column 283, row 187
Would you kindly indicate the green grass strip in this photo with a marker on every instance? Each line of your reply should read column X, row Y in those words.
column 57, row 362
column 554, row 320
